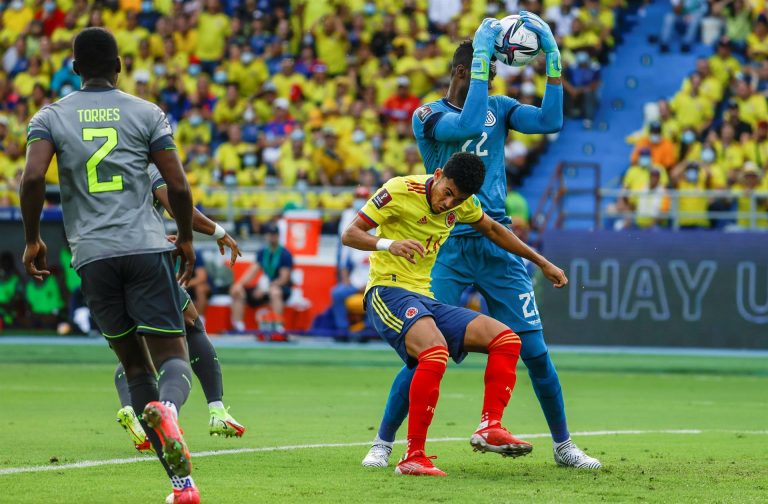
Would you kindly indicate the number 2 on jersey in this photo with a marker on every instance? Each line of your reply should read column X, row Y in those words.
column 479, row 151
column 116, row 182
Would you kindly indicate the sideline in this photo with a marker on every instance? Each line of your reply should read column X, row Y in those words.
column 320, row 343
column 218, row 453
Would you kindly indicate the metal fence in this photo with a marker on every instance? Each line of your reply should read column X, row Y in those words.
column 754, row 216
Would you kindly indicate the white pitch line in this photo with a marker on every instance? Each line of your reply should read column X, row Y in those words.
column 216, row 453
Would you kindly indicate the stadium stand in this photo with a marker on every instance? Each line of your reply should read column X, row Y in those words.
column 296, row 95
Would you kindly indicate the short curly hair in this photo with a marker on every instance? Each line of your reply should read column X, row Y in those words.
column 466, row 170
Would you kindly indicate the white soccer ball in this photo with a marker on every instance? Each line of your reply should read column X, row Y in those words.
column 516, row 45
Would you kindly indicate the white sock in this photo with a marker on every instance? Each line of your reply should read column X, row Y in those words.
column 182, row 483
column 215, row 404
column 172, row 407
column 378, row 440
column 558, row 445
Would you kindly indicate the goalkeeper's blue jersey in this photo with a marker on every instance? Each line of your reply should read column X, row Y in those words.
column 489, row 146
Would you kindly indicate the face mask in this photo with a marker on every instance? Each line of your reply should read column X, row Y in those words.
column 220, row 77
column 689, row 137
column 358, row 203
column 195, row 120
column 249, row 160
column 246, row 58
column 49, row 6
column 692, row 175
column 201, row 158
column 582, row 57
column 369, row 9
column 655, row 138
column 65, row 90
column 249, row 115
column 159, row 69
column 230, row 179
column 707, row 155
column 17, row 5
column 194, row 69
column 376, row 141
column 358, row 136
column 147, row 6
column 644, row 161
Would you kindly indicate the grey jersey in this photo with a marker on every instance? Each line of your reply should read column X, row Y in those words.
column 103, row 138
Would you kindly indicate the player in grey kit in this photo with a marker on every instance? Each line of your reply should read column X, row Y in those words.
column 202, row 355
column 104, row 139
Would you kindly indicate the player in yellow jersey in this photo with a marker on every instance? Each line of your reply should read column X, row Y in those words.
column 414, row 215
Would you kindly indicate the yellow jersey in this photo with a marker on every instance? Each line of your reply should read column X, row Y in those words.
column 401, row 211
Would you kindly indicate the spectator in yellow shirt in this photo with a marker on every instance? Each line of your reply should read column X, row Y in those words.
column 294, row 162
column 193, row 128
column 213, row 28
column 691, row 109
column 250, row 74
column 17, row 16
column 229, row 110
column 757, row 41
column 128, row 38
column 693, row 208
column 756, row 147
column 753, row 107
column 723, row 64
column 238, row 162
column 329, row 161
column 319, row 88
column 332, row 44
column 728, row 150
column 184, row 35
column 288, row 79
column 25, row 81
column 752, row 202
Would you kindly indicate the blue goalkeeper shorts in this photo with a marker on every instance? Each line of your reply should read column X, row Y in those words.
column 502, row 278
column 392, row 311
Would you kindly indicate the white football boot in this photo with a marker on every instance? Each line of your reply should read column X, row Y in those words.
column 378, row 455
column 569, row 455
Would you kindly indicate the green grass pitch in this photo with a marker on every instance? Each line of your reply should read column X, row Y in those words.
column 58, row 404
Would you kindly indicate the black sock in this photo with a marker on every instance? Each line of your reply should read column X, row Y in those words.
column 204, row 361
column 175, row 381
column 143, row 389
column 121, row 384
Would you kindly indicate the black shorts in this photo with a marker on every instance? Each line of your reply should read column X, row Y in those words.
column 135, row 292
column 254, row 301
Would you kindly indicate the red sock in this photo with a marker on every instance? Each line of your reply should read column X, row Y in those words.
column 425, row 389
column 503, row 352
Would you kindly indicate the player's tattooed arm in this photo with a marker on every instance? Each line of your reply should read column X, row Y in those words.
column 506, row 239
column 32, row 196
column 356, row 236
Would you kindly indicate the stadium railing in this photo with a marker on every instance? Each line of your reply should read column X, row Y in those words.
column 567, row 181
column 673, row 215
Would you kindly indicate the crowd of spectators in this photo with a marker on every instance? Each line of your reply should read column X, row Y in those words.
column 712, row 134
column 291, row 93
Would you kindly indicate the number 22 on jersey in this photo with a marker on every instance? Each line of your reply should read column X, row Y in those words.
column 479, row 151
column 92, row 165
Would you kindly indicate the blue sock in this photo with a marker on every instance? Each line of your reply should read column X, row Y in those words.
column 546, row 385
column 397, row 405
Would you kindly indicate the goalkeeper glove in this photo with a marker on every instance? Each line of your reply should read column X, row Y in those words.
column 546, row 39
column 482, row 46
